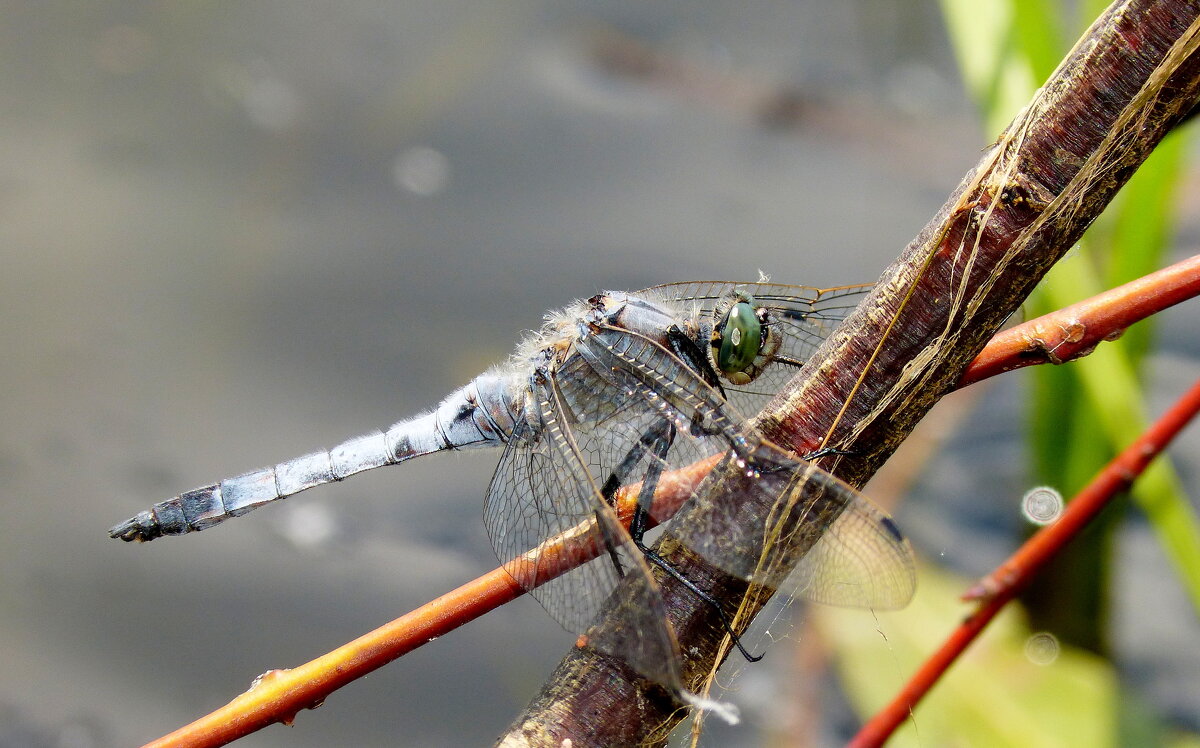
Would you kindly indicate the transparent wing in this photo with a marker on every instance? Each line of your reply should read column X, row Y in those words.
column 803, row 315
column 823, row 540
column 813, row 311
column 559, row 538
column 539, row 496
column 659, row 381
column 785, row 523
column 862, row 560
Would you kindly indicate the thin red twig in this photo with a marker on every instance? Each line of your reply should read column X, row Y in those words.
column 279, row 694
column 1076, row 330
column 1003, row 584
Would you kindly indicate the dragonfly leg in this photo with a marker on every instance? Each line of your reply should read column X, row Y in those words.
column 829, row 452
column 618, row 478
column 687, row 350
column 706, row 598
column 637, row 531
column 610, row 545
column 659, row 439
column 621, row 474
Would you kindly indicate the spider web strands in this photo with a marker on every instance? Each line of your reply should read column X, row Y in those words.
column 1002, row 585
column 281, row 694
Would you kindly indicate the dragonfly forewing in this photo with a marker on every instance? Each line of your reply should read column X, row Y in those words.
column 803, row 316
column 661, row 383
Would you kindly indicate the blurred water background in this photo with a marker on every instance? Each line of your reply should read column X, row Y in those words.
column 233, row 233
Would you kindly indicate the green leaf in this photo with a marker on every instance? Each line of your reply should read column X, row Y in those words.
column 994, row 695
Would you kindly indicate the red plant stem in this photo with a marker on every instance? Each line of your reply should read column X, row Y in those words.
column 1003, row 584
column 1076, row 330
column 278, row 695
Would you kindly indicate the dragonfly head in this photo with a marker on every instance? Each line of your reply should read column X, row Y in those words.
column 743, row 340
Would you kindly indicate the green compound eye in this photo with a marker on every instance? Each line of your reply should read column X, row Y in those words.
column 741, row 339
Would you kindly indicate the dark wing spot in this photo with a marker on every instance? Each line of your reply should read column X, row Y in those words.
column 891, row 527
column 797, row 314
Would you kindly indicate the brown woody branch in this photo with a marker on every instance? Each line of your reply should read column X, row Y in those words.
column 1128, row 81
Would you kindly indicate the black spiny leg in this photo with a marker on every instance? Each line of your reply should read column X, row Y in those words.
column 619, row 477
column 637, row 531
column 829, row 452
column 692, row 355
column 610, row 544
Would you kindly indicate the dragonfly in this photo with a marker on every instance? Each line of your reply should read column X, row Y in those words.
column 612, row 396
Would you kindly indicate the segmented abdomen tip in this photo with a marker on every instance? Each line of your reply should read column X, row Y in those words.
column 140, row 528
